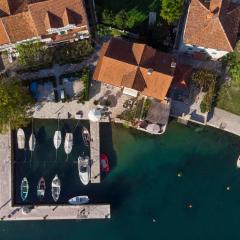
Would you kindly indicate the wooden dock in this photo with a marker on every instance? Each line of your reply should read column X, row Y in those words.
column 9, row 212
column 95, row 152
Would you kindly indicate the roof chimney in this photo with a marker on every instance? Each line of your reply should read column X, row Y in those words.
column 149, row 71
column 173, row 66
column 218, row 6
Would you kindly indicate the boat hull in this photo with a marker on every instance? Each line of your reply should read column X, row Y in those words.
column 56, row 188
column 41, row 188
column 21, row 138
column 32, row 142
column 24, row 189
column 84, row 170
column 238, row 162
column 68, row 144
column 78, row 200
column 57, row 140
column 104, row 163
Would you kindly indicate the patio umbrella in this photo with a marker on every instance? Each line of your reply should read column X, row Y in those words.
column 94, row 115
column 153, row 128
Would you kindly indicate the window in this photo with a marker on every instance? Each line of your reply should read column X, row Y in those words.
column 202, row 51
column 214, row 53
column 190, row 48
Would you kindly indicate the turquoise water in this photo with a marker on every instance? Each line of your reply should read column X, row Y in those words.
column 148, row 199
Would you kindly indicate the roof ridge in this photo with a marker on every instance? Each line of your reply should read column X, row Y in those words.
column 203, row 5
column 5, row 31
column 220, row 22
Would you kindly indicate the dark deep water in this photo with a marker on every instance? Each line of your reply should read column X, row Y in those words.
column 143, row 186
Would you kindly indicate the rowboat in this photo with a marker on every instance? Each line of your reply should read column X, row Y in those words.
column 24, row 188
column 21, row 138
column 84, row 169
column 41, row 187
column 32, row 142
column 86, row 136
column 56, row 188
column 68, row 144
column 78, row 200
column 57, row 139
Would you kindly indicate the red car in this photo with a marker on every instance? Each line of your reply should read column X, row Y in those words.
column 104, row 163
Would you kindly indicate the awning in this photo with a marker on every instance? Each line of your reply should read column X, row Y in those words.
column 130, row 91
column 94, row 115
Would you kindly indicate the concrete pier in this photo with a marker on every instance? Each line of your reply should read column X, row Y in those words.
column 95, row 152
column 9, row 212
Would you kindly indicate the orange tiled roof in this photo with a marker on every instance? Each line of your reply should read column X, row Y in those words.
column 212, row 25
column 126, row 64
column 19, row 27
column 60, row 13
column 4, row 39
column 38, row 17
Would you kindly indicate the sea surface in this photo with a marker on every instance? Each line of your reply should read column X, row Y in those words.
column 149, row 200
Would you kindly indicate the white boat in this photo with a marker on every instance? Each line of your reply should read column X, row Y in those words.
column 41, row 188
column 56, row 188
column 78, row 200
column 238, row 162
column 84, row 169
column 32, row 142
column 57, row 139
column 68, row 143
column 21, row 138
column 86, row 136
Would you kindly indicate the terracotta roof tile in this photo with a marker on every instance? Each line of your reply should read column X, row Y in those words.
column 4, row 8
column 37, row 16
column 75, row 11
column 126, row 64
column 3, row 34
column 19, row 27
column 213, row 25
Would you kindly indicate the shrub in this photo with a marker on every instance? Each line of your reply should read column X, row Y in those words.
column 203, row 78
column 107, row 17
column 206, row 103
column 171, row 10
column 121, row 19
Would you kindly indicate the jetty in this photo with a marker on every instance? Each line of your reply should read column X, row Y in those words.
column 95, row 152
column 9, row 211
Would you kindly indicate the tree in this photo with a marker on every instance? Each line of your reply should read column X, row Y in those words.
column 121, row 19
column 171, row 10
column 107, row 17
column 233, row 62
column 15, row 104
column 203, row 78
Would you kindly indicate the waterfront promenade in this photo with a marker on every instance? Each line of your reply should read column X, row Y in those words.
column 9, row 212
column 225, row 120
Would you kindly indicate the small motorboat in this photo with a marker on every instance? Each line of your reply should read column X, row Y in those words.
column 238, row 162
column 56, row 188
column 104, row 163
column 78, row 200
column 21, row 138
column 86, row 136
column 57, row 139
column 84, row 169
column 41, row 188
column 68, row 144
column 32, row 142
column 24, row 188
